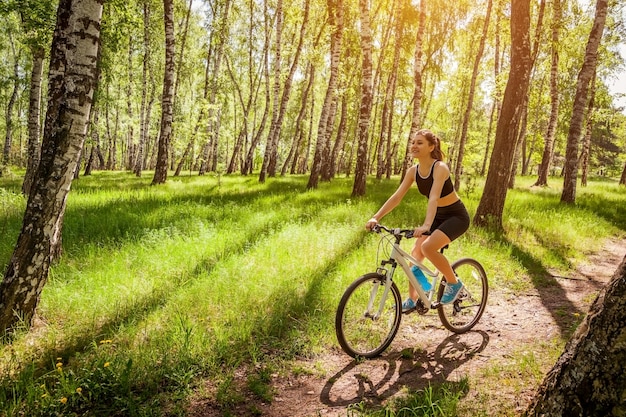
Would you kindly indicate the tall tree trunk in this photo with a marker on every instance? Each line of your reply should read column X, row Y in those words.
column 384, row 154
column 417, row 88
column 491, row 206
column 336, row 14
column 72, row 79
column 326, row 151
column 568, row 195
column 337, row 154
column 8, row 138
column 249, row 161
column 277, row 124
column 546, row 158
column 365, row 108
column 622, row 180
column 294, row 152
column 129, row 109
column 495, row 107
column 588, row 379
column 272, row 141
column 96, row 159
column 470, row 99
column 584, row 156
column 160, row 173
column 523, row 115
column 520, row 144
column 236, row 156
column 143, row 115
column 210, row 151
column 177, row 77
column 34, row 124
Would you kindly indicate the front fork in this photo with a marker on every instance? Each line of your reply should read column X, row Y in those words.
column 386, row 282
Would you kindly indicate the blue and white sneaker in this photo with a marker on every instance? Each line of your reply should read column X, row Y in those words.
column 451, row 293
column 408, row 305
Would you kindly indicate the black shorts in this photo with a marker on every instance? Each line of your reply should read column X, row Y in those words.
column 452, row 220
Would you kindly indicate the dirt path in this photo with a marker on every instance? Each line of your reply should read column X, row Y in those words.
column 424, row 352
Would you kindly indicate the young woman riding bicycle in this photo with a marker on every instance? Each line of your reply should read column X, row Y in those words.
column 446, row 216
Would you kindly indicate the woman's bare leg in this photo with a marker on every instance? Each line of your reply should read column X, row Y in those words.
column 416, row 252
column 430, row 249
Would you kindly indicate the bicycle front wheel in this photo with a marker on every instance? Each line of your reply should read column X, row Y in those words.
column 463, row 314
column 368, row 317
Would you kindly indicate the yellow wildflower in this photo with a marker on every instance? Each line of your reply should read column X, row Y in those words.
column 106, row 364
column 79, row 390
column 63, row 400
column 59, row 364
column 102, row 342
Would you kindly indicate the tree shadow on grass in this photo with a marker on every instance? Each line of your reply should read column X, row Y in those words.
column 551, row 290
column 285, row 313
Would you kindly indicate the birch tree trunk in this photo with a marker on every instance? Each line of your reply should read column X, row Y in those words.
column 249, row 161
column 470, row 100
column 294, row 151
column 589, row 377
column 167, row 116
column 34, row 124
column 495, row 107
column 385, row 151
column 8, row 137
column 72, row 79
column 520, row 145
column 585, row 75
column 277, row 125
column 130, row 138
column 336, row 12
column 491, row 206
column 336, row 156
column 548, row 150
column 143, row 126
column 272, row 141
column 365, row 108
column 584, row 155
column 236, row 157
column 417, row 91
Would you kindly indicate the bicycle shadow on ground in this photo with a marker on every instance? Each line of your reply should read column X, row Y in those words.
column 378, row 379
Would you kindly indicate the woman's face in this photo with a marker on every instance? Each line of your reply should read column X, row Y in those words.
column 421, row 147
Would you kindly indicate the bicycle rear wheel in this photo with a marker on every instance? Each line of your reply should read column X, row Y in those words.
column 367, row 320
column 463, row 314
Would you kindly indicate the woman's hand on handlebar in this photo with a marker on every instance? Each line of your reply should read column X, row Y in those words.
column 371, row 223
column 422, row 230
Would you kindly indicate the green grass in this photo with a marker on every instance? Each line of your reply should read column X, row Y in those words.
column 161, row 287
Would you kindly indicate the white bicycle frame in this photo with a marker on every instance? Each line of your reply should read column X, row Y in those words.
column 402, row 258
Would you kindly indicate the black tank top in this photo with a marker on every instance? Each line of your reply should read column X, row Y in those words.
column 424, row 185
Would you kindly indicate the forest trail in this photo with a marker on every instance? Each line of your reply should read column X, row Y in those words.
column 424, row 352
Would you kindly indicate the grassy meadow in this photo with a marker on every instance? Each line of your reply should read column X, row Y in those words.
column 160, row 287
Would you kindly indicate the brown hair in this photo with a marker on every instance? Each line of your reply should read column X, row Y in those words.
column 436, row 153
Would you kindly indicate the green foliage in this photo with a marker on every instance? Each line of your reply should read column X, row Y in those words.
column 161, row 288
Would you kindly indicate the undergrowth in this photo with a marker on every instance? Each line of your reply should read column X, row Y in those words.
column 161, row 288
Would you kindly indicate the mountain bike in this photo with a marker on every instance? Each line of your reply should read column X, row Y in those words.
column 370, row 310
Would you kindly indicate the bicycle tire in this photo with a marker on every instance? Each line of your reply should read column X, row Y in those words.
column 359, row 333
column 463, row 314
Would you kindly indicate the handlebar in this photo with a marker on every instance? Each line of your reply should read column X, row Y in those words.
column 397, row 232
